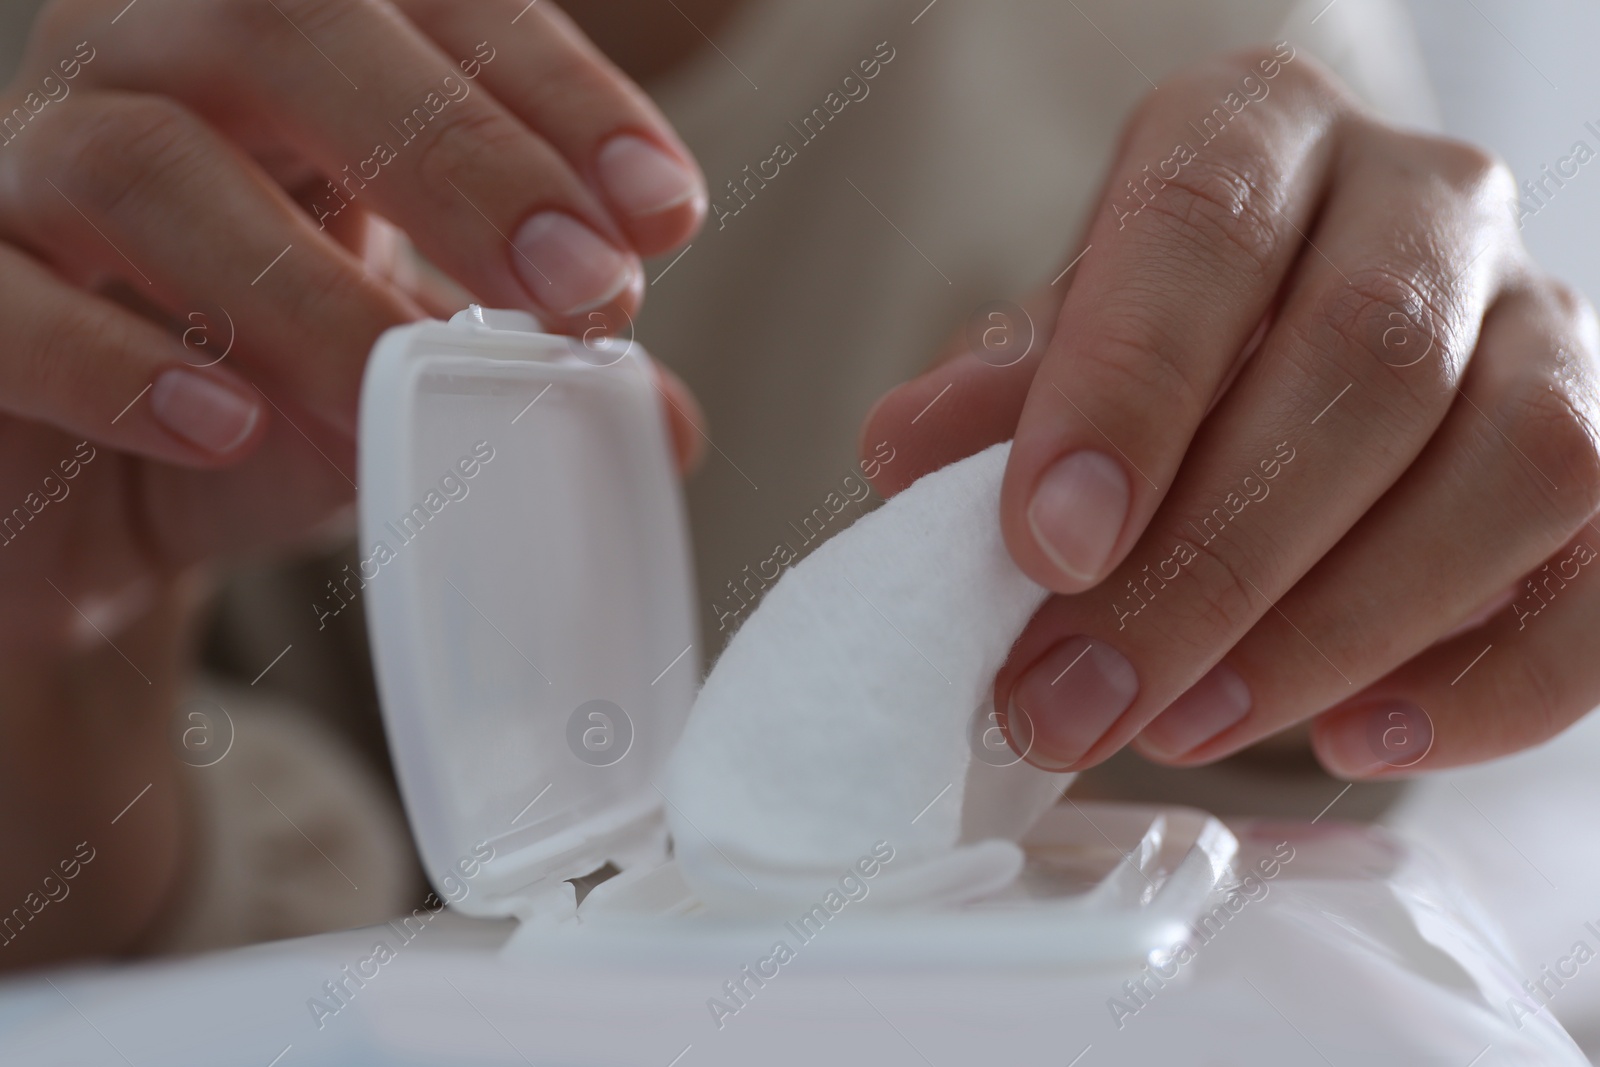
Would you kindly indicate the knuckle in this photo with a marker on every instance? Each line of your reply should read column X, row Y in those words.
column 59, row 371
column 1570, row 304
column 1226, row 603
column 121, row 145
column 1133, row 356
column 474, row 140
column 1216, row 212
column 1469, row 167
column 1391, row 316
column 1455, row 169
column 1551, row 427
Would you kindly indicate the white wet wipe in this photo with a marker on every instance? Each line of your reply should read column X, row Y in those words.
column 842, row 714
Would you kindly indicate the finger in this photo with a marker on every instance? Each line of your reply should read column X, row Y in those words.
column 551, row 77
column 1317, row 427
column 988, row 366
column 969, row 400
column 1519, row 680
column 387, row 253
column 1184, row 259
column 91, row 368
column 985, row 372
column 686, row 420
column 300, row 477
column 1522, row 437
column 397, row 126
column 138, row 186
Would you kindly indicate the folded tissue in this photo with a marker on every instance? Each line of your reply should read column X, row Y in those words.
column 846, row 713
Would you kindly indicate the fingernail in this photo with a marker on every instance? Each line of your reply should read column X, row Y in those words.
column 1376, row 737
column 1077, row 512
column 1217, row 701
column 1072, row 696
column 566, row 266
column 642, row 179
column 203, row 412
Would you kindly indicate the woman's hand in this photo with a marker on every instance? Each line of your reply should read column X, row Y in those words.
column 199, row 206
column 187, row 180
column 1308, row 416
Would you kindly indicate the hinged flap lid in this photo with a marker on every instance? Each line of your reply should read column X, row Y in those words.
column 525, row 566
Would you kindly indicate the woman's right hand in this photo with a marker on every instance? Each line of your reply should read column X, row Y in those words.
column 194, row 199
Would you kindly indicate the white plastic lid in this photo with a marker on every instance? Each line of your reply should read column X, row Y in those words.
column 527, row 579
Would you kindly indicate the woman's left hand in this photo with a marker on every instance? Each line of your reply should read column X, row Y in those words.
column 1308, row 437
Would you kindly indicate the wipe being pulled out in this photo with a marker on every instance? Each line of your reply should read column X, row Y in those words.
column 843, row 713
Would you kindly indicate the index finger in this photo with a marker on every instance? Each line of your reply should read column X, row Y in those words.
column 1201, row 222
column 396, row 125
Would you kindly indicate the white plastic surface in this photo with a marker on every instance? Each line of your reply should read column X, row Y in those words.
column 1111, row 887
column 1357, row 952
column 532, row 623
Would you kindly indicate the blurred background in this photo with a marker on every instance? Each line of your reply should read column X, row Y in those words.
column 1522, row 78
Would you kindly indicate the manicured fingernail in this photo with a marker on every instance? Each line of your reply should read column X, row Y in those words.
column 568, row 267
column 203, row 412
column 642, row 179
column 1072, row 696
column 1375, row 737
column 1214, row 703
column 1077, row 512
